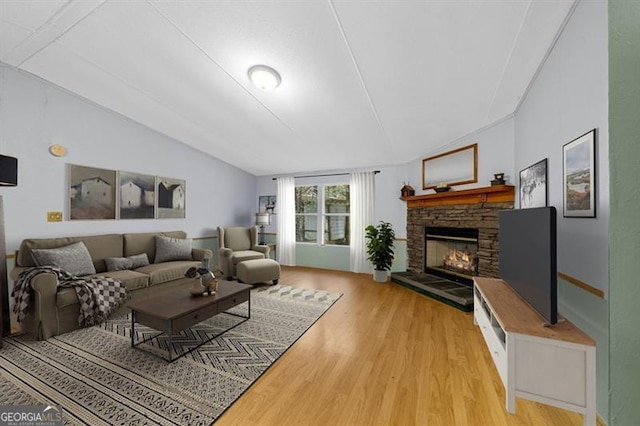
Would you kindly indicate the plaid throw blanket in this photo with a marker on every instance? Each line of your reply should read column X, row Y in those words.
column 99, row 296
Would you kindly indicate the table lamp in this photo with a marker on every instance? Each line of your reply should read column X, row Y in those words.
column 262, row 220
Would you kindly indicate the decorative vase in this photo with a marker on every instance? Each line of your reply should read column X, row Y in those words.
column 379, row 276
column 197, row 289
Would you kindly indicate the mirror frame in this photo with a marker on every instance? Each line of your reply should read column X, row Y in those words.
column 455, row 167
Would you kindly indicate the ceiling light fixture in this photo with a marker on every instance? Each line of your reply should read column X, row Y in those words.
column 264, row 77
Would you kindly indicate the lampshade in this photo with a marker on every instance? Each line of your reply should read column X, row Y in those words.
column 8, row 171
column 262, row 219
column 264, row 77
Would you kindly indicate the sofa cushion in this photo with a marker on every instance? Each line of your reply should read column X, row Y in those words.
column 99, row 246
column 132, row 280
column 241, row 256
column 124, row 263
column 168, row 249
column 74, row 258
column 167, row 271
column 146, row 242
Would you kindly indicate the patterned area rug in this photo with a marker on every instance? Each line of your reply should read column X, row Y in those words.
column 99, row 379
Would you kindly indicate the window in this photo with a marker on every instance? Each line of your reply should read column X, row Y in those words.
column 322, row 214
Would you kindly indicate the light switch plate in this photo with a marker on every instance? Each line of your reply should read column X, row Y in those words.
column 54, row 216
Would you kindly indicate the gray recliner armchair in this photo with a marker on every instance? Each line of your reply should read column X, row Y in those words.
column 237, row 244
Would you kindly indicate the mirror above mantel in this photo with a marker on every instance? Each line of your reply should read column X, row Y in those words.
column 452, row 168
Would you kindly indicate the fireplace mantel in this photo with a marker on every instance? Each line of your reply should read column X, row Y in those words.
column 487, row 194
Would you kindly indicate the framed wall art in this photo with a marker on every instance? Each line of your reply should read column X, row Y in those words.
column 533, row 186
column 171, row 196
column 456, row 167
column 92, row 193
column 267, row 204
column 137, row 195
column 579, row 176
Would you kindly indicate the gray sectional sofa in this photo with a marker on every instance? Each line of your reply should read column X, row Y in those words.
column 55, row 311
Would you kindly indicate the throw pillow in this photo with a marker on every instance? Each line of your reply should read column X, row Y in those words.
column 168, row 249
column 123, row 263
column 74, row 258
column 139, row 260
column 118, row 263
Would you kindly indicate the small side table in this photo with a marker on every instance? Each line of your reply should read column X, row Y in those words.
column 272, row 249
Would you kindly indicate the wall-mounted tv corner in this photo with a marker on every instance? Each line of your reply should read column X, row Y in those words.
column 528, row 257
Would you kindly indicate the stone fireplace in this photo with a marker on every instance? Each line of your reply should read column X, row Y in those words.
column 471, row 217
column 451, row 253
column 483, row 217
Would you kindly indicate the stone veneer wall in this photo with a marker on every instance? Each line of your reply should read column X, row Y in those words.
column 483, row 216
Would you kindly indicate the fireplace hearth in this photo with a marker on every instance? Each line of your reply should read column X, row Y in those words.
column 476, row 209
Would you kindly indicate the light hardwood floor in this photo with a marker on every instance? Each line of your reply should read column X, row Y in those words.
column 383, row 355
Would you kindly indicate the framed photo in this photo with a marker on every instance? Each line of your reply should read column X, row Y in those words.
column 171, row 196
column 267, row 204
column 137, row 196
column 92, row 193
column 456, row 167
column 579, row 176
column 533, row 186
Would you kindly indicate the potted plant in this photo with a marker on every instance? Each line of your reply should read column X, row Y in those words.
column 380, row 249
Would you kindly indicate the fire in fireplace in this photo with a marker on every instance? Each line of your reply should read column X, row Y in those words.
column 451, row 253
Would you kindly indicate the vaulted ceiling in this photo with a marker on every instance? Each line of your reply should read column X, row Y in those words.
column 364, row 83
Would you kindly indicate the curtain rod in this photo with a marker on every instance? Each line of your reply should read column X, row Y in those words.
column 328, row 174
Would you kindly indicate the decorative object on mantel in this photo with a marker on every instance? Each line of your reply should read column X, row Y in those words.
column 407, row 190
column 579, row 176
column 380, row 249
column 498, row 179
column 456, row 167
column 442, row 187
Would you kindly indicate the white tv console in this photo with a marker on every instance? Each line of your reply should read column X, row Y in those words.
column 555, row 365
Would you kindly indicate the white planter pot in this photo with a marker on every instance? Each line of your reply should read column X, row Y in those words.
column 379, row 276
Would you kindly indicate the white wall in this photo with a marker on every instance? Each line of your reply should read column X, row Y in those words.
column 35, row 114
column 495, row 155
column 568, row 98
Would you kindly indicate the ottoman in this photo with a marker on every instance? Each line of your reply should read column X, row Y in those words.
column 258, row 271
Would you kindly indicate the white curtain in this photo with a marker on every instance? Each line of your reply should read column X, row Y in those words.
column 363, row 190
column 286, row 219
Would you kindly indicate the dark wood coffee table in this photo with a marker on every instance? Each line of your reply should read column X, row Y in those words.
column 176, row 310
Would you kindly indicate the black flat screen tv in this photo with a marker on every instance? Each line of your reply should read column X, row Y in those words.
column 528, row 257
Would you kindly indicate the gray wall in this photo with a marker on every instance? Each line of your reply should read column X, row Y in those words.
column 495, row 155
column 35, row 114
column 568, row 98
column 624, row 133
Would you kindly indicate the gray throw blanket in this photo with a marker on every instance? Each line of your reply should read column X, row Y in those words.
column 99, row 296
